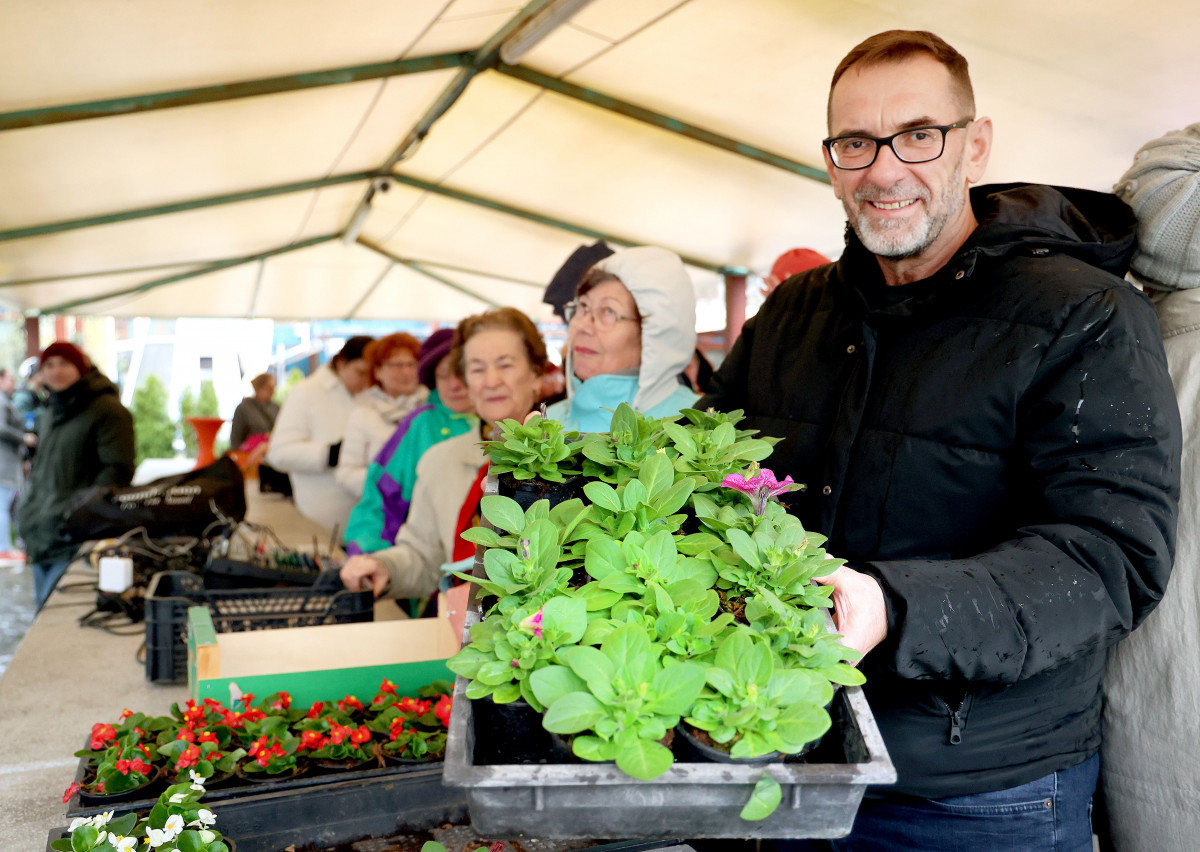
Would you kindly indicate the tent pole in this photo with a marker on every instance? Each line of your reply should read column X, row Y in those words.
column 181, row 206
column 663, row 122
column 228, row 91
column 184, row 276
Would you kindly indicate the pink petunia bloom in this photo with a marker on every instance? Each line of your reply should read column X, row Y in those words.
column 760, row 487
column 533, row 624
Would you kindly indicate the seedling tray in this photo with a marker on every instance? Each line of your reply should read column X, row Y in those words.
column 321, row 810
column 172, row 592
column 699, row 800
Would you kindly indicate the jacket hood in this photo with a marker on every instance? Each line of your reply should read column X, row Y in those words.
column 1096, row 227
column 80, row 395
column 667, row 302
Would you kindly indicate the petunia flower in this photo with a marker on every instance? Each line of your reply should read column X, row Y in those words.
column 533, row 624
column 761, row 487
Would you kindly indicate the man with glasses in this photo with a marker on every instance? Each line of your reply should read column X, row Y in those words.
column 980, row 410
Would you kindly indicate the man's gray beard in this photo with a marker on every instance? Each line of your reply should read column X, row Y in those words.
column 884, row 242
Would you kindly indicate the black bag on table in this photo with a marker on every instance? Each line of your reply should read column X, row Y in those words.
column 180, row 505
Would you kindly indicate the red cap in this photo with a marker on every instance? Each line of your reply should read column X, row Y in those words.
column 796, row 260
column 68, row 352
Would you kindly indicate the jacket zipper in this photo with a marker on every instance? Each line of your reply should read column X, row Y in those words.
column 958, row 718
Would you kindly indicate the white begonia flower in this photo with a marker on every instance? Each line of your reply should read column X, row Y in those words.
column 197, row 780
column 178, row 798
column 204, row 818
column 77, row 822
column 173, row 825
column 126, row 844
column 101, row 837
column 101, row 820
column 157, row 837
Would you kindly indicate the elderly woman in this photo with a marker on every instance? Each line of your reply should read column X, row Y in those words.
column 394, row 392
column 392, row 474
column 501, row 357
column 307, row 439
column 632, row 332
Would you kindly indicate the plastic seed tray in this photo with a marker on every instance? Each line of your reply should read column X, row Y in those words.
column 821, row 795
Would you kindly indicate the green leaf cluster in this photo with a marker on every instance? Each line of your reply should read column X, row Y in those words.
column 612, row 611
column 622, row 696
column 154, row 433
column 539, row 449
column 757, row 706
column 505, row 651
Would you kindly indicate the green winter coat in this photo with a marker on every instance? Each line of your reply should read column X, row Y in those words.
column 85, row 437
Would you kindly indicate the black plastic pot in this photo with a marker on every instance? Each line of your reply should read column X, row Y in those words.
column 690, row 749
column 528, row 491
column 150, row 789
column 511, row 733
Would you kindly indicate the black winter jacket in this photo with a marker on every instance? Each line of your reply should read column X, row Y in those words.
column 998, row 445
column 85, row 437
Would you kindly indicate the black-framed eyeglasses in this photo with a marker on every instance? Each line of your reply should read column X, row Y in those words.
column 914, row 145
column 603, row 316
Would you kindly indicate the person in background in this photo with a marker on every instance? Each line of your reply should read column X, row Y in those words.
column 501, row 357
column 12, row 442
column 85, row 438
column 253, row 420
column 632, row 333
column 395, row 391
column 1149, row 767
column 391, row 476
column 791, row 262
column 980, row 408
column 307, row 438
column 255, row 415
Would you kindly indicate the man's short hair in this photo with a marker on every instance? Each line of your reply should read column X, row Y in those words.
column 898, row 45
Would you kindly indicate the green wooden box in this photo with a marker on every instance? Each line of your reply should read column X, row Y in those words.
column 317, row 663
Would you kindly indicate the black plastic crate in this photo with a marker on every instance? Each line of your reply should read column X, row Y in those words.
column 238, row 610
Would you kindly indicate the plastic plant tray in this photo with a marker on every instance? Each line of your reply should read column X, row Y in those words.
column 697, row 800
column 324, row 810
column 172, row 592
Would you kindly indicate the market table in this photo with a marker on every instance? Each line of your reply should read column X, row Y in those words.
column 64, row 678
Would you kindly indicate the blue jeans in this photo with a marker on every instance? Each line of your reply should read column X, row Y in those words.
column 45, row 578
column 1051, row 814
column 6, row 499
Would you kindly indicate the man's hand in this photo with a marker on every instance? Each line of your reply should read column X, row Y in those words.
column 859, row 610
column 365, row 572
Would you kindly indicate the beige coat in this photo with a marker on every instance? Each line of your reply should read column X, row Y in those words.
column 426, row 541
column 1151, row 747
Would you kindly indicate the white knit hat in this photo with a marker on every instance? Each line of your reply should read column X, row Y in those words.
column 1163, row 188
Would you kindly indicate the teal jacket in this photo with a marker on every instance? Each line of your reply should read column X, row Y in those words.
column 591, row 404
column 377, row 518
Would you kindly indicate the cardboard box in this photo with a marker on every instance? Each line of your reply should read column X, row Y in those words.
column 319, row 663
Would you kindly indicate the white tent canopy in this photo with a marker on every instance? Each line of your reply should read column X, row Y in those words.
column 194, row 158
